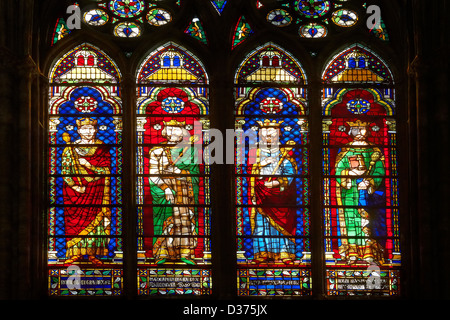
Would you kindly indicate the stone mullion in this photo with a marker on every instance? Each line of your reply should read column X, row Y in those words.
column 7, row 124
column 40, row 152
column 128, row 88
column 17, row 72
column 16, row 78
column 316, row 198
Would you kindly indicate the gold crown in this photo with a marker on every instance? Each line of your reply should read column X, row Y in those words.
column 358, row 123
column 175, row 123
column 86, row 122
column 270, row 124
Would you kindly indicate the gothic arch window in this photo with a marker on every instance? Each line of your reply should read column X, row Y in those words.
column 272, row 174
column 85, row 173
column 360, row 185
column 315, row 181
column 173, row 195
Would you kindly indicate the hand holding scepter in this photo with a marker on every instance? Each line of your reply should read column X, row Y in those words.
column 286, row 150
column 193, row 139
column 373, row 159
column 67, row 139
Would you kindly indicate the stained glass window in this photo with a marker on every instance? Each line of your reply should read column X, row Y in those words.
column 275, row 201
column 127, row 8
column 173, row 199
column 272, row 175
column 127, row 30
column 312, row 9
column 129, row 19
column 96, row 17
column 60, row 31
column 316, row 19
column 313, row 30
column 360, row 185
column 279, row 17
column 242, row 31
column 195, row 30
column 219, row 5
column 85, row 175
column 345, row 18
column 158, row 17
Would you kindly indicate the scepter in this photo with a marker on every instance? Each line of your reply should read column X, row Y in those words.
column 285, row 153
column 373, row 159
column 193, row 139
column 67, row 139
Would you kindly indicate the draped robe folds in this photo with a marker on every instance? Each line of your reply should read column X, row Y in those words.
column 275, row 213
column 87, row 214
column 357, row 218
column 174, row 226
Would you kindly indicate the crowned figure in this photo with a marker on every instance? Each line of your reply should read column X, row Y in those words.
column 86, row 165
column 273, row 194
column 359, row 170
column 174, row 185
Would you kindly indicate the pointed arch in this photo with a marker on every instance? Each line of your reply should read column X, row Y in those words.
column 341, row 68
column 272, row 173
column 377, row 97
column 85, row 170
column 257, row 67
column 159, row 66
column 75, row 66
column 173, row 102
column 360, row 174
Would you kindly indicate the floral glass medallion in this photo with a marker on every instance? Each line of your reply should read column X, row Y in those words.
column 313, row 30
column 127, row 8
column 242, row 31
column 60, row 31
column 127, row 30
column 195, row 30
column 312, row 8
column 306, row 13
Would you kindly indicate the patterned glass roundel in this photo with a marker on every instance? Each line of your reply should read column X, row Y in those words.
column 127, row 8
column 312, row 8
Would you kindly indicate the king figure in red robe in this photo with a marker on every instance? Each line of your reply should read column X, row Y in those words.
column 87, row 216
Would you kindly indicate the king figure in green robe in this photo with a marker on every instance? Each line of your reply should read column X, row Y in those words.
column 360, row 170
column 174, row 185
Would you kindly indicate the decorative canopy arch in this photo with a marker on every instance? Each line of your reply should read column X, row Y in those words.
column 171, row 63
column 270, row 101
column 67, row 102
column 357, row 64
column 270, row 63
column 85, row 63
column 370, row 95
column 183, row 100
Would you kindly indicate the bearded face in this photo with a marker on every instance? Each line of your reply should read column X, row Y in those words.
column 358, row 133
column 270, row 136
column 174, row 134
column 87, row 132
